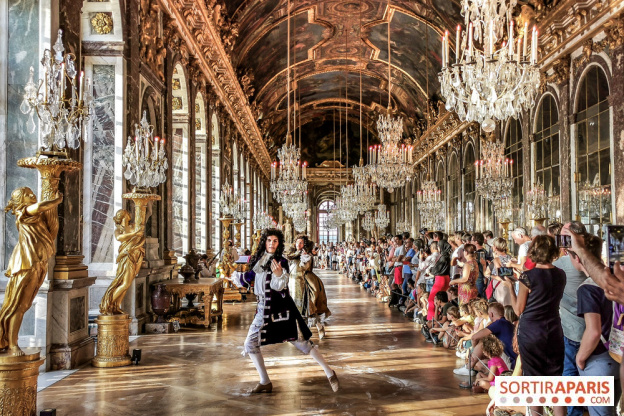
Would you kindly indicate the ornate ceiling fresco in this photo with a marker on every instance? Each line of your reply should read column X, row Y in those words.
column 333, row 41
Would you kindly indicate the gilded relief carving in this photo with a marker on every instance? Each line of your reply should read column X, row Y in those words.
column 102, row 23
column 152, row 49
column 176, row 103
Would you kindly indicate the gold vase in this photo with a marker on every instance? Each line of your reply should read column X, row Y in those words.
column 113, row 341
column 505, row 225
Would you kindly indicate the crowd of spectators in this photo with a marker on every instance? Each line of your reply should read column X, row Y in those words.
column 534, row 309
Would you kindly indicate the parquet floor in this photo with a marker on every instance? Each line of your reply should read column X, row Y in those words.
column 384, row 367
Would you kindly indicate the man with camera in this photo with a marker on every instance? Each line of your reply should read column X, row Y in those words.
column 522, row 239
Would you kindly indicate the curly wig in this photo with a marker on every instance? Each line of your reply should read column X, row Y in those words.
column 308, row 245
column 262, row 247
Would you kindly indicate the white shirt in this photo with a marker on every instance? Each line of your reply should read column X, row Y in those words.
column 523, row 250
column 399, row 251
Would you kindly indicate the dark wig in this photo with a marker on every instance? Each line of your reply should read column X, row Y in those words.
column 308, row 245
column 262, row 247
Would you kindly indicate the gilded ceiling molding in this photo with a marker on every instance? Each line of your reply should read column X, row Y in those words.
column 445, row 128
column 568, row 24
column 196, row 27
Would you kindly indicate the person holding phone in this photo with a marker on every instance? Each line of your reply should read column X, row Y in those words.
column 540, row 335
column 468, row 281
column 277, row 318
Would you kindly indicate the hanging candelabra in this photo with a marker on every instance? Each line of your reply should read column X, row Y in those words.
column 537, row 203
column 495, row 82
column 368, row 223
column 430, row 206
column 402, row 226
column 595, row 202
column 493, row 175
column 144, row 158
column 391, row 163
column 63, row 117
column 263, row 220
column 382, row 217
column 364, row 191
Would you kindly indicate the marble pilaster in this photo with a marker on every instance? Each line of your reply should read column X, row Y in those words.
column 525, row 123
column 565, row 150
column 617, row 113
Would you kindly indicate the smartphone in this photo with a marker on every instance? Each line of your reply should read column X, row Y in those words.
column 504, row 271
column 563, row 241
column 615, row 244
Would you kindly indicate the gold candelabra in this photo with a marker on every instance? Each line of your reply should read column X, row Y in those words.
column 226, row 264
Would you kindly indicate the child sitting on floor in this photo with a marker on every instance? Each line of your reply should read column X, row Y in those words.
column 492, row 349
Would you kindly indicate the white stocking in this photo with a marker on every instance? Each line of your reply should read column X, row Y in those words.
column 258, row 362
column 314, row 353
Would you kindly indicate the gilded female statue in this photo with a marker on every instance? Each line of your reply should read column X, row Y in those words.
column 28, row 264
column 129, row 260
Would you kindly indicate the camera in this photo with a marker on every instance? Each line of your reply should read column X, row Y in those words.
column 563, row 241
column 504, row 271
column 480, row 255
column 423, row 231
column 615, row 244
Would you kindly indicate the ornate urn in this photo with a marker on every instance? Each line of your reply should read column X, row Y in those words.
column 161, row 302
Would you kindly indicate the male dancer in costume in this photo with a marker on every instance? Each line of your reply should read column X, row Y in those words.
column 277, row 318
column 307, row 288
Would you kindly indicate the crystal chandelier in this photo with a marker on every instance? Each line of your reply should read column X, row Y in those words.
column 489, row 84
column 288, row 177
column 537, row 202
column 390, row 164
column 369, row 222
column 344, row 209
column 382, row 217
column 595, row 201
column 144, row 157
column 231, row 204
column 430, row 206
column 402, row 226
column 64, row 118
column 300, row 220
column 364, row 191
column 263, row 220
column 503, row 209
column 493, row 175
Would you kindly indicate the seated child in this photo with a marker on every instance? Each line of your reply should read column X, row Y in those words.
column 492, row 349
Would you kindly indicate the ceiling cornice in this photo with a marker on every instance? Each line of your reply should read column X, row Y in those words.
column 196, row 26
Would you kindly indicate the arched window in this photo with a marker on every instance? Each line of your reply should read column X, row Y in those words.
column 180, row 163
column 326, row 235
column 201, row 167
column 547, row 151
column 593, row 151
column 469, row 188
column 513, row 151
column 216, row 182
column 454, row 191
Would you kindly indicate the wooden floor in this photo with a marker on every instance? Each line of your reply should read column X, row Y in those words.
column 384, row 367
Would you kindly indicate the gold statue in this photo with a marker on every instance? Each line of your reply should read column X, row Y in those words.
column 226, row 265
column 256, row 240
column 28, row 264
column 129, row 260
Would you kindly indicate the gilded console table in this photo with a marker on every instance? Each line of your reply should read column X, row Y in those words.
column 211, row 289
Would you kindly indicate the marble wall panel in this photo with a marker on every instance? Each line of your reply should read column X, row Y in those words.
column 23, row 31
column 77, row 313
column 103, row 165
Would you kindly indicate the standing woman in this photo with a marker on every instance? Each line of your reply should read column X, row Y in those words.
column 467, row 289
column 441, row 270
column 313, row 297
column 540, row 335
column 282, row 321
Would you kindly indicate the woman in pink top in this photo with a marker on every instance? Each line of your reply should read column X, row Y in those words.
column 492, row 349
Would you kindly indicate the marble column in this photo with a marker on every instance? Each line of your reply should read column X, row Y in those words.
column 565, row 149
column 525, row 123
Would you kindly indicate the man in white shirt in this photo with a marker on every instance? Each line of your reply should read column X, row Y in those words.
column 520, row 237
